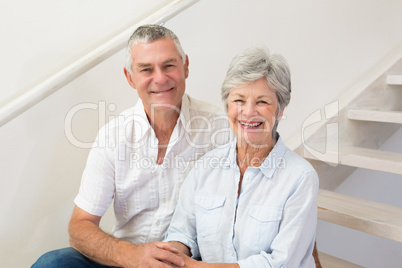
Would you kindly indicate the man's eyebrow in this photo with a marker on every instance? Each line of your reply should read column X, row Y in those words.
column 141, row 65
column 169, row 60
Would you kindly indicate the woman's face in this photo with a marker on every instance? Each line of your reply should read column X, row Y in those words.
column 251, row 113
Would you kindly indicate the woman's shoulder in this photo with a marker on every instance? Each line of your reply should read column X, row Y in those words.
column 298, row 162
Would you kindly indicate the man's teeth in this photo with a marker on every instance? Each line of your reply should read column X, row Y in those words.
column 250, row 124
column 160, row 92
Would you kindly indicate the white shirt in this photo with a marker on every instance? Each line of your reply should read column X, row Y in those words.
column 271, row 224
column 122, row 166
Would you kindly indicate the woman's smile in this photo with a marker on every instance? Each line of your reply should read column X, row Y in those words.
column 252, row 112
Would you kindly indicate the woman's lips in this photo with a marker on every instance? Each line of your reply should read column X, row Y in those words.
column 250, row 124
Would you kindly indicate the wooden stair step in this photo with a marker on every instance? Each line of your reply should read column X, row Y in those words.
column 363, row 158
column 364, row 215
column 328, row 261
column 376, row 116
column 394, row 79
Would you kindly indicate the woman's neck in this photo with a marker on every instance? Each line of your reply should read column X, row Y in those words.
column 252, row 156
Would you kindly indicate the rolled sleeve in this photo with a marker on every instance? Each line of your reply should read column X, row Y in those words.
column 97, row 185
column 256, row 261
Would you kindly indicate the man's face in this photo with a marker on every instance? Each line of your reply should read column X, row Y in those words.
column 159, row 75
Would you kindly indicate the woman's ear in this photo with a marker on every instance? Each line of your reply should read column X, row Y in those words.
column 279, row 117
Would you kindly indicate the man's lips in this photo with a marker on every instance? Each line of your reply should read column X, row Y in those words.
column 161, row 91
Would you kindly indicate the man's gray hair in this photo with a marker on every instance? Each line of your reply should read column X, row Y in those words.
column 254, row 63
column 146, row 34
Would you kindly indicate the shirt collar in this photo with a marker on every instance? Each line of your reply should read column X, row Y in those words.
column 273, row 161
column 184, row 116
column 141, row 122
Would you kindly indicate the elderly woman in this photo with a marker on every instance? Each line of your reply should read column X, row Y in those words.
column 252, row 203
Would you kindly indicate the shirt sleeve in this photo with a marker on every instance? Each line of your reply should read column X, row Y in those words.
column 183, row 224
column 294, row 243
column 97, row 184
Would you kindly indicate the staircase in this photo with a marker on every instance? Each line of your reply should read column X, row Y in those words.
column 348, row 138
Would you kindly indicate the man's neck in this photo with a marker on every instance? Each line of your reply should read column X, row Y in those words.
column 163, row 122
column 163, row 125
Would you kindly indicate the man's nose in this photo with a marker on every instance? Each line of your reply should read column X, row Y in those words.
column 159, row 76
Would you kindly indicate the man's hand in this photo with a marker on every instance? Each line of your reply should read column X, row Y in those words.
column 154, row 254
column 182, row 251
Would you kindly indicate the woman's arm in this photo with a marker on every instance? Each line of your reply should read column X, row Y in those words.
column 189, row 262
column 181, row 247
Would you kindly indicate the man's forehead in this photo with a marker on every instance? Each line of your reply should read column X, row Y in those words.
column 161, row 50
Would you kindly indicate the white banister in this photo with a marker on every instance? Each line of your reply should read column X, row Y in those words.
column 74, row 70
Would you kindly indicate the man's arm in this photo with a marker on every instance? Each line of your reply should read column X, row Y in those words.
column 91, row 241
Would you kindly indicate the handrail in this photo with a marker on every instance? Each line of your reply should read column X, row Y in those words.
column 39, row 92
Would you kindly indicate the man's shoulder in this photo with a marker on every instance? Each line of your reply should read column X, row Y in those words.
column 118, row 122
column 203, row 107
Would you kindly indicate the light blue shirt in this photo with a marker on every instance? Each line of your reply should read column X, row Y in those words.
column 271, row 224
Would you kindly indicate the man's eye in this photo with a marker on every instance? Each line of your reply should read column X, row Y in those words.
column 262, row 102
column 239, row 101
column 145, row 70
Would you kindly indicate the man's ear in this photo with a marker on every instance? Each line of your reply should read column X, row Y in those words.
column 129, row 78
column 186, row 71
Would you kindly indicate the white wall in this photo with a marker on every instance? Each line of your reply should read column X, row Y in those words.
column 329, row 46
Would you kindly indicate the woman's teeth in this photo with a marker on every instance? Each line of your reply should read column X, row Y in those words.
column 250, row 124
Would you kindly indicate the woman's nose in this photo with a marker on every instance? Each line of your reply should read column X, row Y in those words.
column 249, row 109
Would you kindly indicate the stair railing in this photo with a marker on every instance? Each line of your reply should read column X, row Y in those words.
column 39, row 92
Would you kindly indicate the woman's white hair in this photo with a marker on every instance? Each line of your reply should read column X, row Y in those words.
column 255, row 63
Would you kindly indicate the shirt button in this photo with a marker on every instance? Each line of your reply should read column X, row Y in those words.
column 164, row 200
column 158, row 223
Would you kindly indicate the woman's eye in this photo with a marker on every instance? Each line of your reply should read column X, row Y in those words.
column 262, row 102
column 240, row 101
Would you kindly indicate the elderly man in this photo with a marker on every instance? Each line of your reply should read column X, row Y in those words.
column 140, row 160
